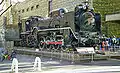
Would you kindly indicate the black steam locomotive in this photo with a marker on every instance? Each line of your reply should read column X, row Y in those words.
column 62, row 29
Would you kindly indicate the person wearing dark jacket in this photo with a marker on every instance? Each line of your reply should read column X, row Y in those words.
column 13, row 54
column 2, row 56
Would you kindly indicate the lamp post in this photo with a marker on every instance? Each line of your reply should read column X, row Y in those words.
column 49, row 7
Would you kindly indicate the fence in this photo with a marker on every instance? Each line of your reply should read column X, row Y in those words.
column 74, row 57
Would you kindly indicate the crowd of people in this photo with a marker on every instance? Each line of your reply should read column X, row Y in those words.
column 109, row 44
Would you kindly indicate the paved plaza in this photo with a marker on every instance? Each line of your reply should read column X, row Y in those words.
column 56, row 66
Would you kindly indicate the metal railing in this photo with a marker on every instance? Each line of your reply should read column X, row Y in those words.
column 73, row 57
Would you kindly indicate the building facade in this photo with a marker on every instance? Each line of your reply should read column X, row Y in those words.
column 41, row 7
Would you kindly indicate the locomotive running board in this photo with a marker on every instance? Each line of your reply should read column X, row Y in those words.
column 53, row 29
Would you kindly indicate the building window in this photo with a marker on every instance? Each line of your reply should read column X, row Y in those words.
column 23, row 11
column 32, row 7
column 27, row 9
column 37, row 6
column 19, row 11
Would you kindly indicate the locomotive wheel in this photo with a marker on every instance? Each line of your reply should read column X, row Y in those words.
column 42, row 43
column 35, row 33
column 52, row 47
column 60, row 48
column 63, row 48
column 56, row 47
column 48, row 46
column 32, row 41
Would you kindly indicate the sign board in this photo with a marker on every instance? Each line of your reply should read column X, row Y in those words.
column 85, row 50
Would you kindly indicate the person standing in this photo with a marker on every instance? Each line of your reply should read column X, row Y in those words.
column 114, row 43
column 106, row 45
column 2, row 57
column 103, row 46
column 13, row 54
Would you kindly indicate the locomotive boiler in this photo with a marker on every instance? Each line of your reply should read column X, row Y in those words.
column 62, row 29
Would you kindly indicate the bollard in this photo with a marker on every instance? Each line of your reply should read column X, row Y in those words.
column 37, row 63
column 72, row 57
column 61, row 56
column 51, row 55
column 92, row 59
column 14, row 66
column 41, row 52
column 69, row 56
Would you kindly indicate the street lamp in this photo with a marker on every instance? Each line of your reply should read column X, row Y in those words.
column 49, row 7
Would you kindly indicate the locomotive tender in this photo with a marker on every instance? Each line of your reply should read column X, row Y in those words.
column 62, row 29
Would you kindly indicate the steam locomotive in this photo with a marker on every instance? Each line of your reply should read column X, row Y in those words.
column 62, row 29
